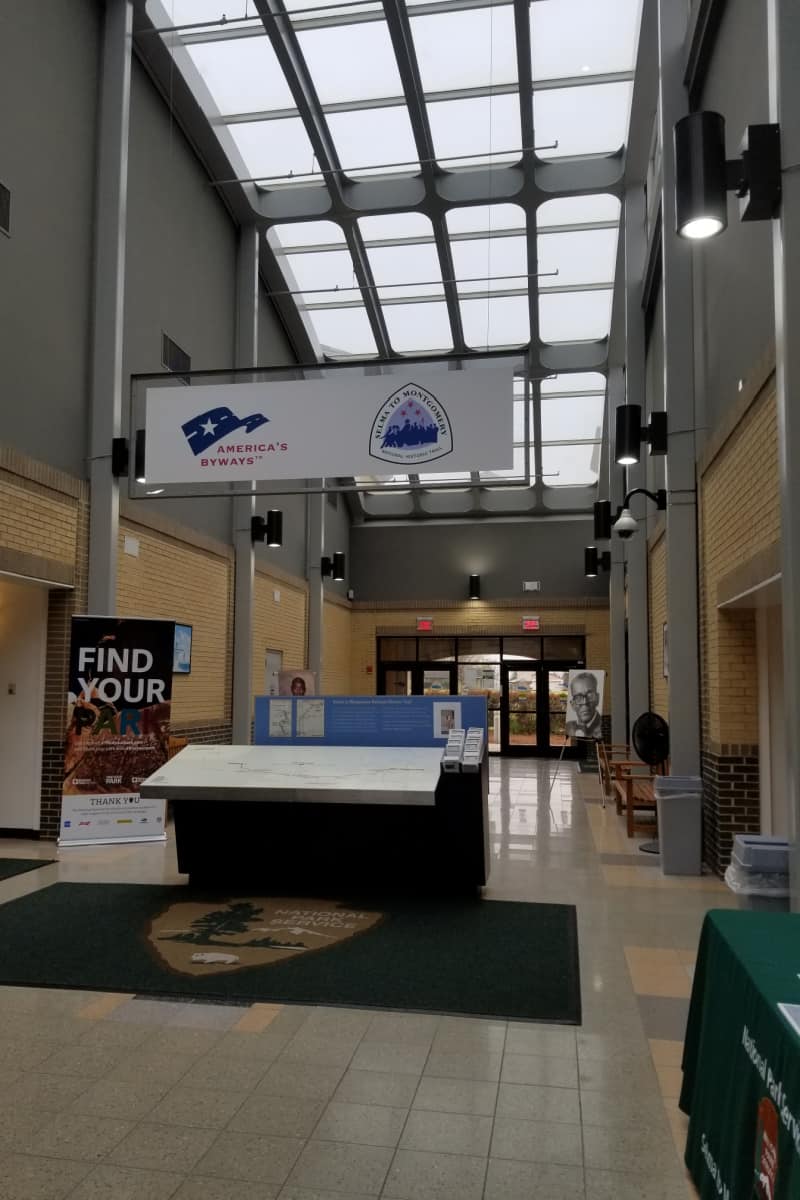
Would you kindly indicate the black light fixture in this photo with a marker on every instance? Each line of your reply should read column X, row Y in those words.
column 602, row 520
column 269, row 531
column 703, row 175
column 334, row 567
column 474, row 587
column 120, row 457
column 594, row 562
column 626, row 524
column 630, row 433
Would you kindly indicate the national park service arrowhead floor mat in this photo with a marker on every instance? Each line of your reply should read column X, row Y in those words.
column 447, row 955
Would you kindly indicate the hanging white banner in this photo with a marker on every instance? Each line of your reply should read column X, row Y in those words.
column 441, row 421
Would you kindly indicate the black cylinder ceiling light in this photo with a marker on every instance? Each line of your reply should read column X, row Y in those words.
column 274, row 527
column 474, row 587
column 339, row 566
column 594, row 562
column 628, row 434
column 701, row 176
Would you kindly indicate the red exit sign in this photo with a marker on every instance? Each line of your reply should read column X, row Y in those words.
column 531, row 624
column 424, row 624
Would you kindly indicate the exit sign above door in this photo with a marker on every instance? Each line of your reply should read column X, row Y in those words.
column 424, row 624
column 531, row 624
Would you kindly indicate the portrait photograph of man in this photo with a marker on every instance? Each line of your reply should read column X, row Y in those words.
column 585, row 704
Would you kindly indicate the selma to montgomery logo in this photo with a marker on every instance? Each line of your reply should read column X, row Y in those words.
column 412, row 427
column 208, row 431
column 197, row 938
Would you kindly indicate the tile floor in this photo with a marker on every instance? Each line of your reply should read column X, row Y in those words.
column 107, row 1096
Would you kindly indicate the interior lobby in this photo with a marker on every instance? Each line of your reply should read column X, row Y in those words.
column 489, row 740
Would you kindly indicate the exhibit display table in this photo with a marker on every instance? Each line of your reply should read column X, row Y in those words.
column 741, row 1061
column 343, row 815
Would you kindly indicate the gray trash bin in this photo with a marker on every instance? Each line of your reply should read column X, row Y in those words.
column 679, row 801
column 759, row 872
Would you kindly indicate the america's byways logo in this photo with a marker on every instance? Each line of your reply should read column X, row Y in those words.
column 411, row 428
column 208, row 435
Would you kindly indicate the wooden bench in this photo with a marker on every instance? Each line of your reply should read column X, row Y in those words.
column 637, row 794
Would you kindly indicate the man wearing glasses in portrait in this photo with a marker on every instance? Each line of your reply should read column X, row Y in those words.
column 584, row 700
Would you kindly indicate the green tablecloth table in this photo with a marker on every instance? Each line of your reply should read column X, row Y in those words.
column 741, row 1059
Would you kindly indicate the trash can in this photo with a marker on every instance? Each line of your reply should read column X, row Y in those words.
column 679, row 802
column 759, row 872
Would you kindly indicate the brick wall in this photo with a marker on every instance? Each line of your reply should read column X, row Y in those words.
column 739, row 519
column 589, row 618
column 278, row 624
column 657, row 604
column 192, row 584
column 336, row 648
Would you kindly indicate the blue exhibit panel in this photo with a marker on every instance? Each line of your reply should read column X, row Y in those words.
column 364, row 720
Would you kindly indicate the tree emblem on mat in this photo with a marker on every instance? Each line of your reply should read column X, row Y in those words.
column 251, row 932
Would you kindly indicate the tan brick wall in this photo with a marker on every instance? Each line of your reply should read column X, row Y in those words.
column 657, row 606
column 593, row 621
column 336, row 649
column 739, row 518
column 278, row 625
column 181, row 582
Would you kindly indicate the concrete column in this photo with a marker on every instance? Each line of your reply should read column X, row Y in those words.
column 682, row 602
column 244, row 506
column 616, row 583
column 111, row 191
column 636, row 557
column 784, row 55
column 315, row 546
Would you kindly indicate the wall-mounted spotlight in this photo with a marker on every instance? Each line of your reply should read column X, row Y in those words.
column 626, row 524
column 474, row 587
column 594, row 562
column 630, row 433
column 602, row 520
column 333, row 567
column 703, row 176
column 269, row 531
column 120, row 457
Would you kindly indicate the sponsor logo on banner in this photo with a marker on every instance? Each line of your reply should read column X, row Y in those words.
column 205, row 430
column 412, row 427
column 202, row 938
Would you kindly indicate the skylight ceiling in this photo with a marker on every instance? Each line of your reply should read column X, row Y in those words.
column 432, row 102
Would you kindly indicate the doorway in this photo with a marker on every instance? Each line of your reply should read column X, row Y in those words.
column 23, row 643
column 533, row 712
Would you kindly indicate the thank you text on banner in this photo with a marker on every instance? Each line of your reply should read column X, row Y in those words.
column 118, row 721
column 351, row 425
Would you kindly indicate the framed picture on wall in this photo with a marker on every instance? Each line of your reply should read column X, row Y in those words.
column 665, row 650
column 182, row 651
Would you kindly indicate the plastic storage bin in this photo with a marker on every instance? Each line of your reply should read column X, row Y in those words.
column 679, row 801
column 760, row 852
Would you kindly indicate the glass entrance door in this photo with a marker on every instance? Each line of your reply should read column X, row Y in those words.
column 519, row 710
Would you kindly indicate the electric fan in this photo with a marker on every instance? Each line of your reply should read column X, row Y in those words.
column 650, row 737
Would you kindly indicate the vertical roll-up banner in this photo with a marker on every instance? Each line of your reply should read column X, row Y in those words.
column 118, row 720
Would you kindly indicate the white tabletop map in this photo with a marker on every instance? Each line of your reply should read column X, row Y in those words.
column 311, row 775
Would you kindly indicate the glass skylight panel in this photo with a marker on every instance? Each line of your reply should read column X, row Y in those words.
column 572, row 418
column 324, row 269
column 351, row 62
column 374, row 141
column 573, row 382
column 583, row 120
column 242, row 74
column 272, row 150
column 343, row 332
column 202, row 13
column 575, row 316
column 418, row 327
column 496, row 322
column 305, row 233
column 395, row 225
column 585, row 256
column 485, row 128
column 583, row 37
column 571, row 466
column 517, row 471
column 484, row 218
column 471, row 48
column 491, row 263
column 407, row 270
column 578, row 210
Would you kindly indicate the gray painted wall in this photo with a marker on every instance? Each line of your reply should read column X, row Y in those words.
column 736, row 322
column 426, row 562
column 48, row 87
